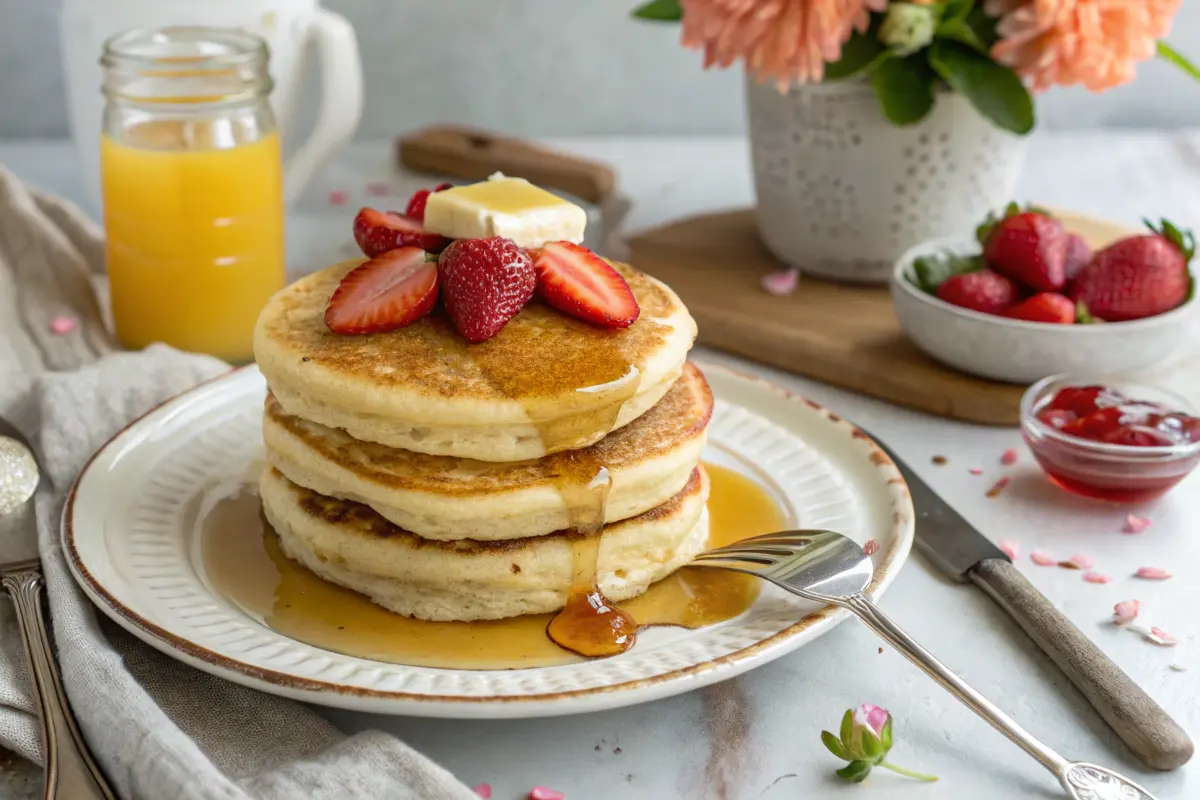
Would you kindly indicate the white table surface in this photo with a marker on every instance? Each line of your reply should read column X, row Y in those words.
column 757, row 736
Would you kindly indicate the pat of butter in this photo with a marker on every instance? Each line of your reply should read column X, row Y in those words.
column 510, row 207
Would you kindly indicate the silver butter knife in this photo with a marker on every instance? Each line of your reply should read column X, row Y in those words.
column 967, row 556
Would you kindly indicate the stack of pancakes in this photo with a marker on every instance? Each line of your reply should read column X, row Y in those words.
column 446, row 480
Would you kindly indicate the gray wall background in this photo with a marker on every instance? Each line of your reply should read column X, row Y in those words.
column 545, row 67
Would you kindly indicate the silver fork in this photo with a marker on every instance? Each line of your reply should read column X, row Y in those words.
column 830, row 568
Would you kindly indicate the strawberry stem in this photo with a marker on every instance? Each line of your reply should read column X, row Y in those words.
column 1185, row 240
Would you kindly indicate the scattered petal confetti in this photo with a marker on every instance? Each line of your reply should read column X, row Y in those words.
column 1152, row 573
column 1008, row 457
column 484, row 790
column 1042, row 558
column 781, row 283
column 382, row 190
column 1178, row 667
column 975, row 471
column 1139, row 629
column 60, row 326
column 1010, row 548
column 338, row 197
column 1136, row 524
column 1078, row 561
column 1096, row 577
column 940, row 460
column 871, row 547
column 999, row 486
column 1161, row 637
column 542, row 793
column 1125, row 612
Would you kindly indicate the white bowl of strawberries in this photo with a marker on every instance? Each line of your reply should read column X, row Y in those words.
column 1027, row 297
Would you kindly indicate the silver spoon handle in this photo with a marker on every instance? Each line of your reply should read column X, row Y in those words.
column 71, row 774
column 883, row 625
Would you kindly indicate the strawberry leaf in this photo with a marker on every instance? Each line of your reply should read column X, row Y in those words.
column 930, row 272
column 1083, row 316
column 1185, row 240
column 660, row 11
column 904, row 87
column 984, row 231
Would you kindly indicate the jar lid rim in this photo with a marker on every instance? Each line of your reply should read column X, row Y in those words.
column 215, row 47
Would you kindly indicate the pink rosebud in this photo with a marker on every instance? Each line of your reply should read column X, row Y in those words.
column 1010, row 548
column 1152, row 573
column 1042, row 558
column 1161, row 637
column 781, row 283
column 1008, row 457
column 484, row 790
column 1096, row 577
column 975, row 471
column 1125, row 612
column 871, row 547
column 542, row 793
column 61, row 326
column 872, row 718
column 1136, row 524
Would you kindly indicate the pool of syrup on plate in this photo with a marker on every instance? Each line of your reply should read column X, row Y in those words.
column 244, row 564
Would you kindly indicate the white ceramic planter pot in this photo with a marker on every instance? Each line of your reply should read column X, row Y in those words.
column 842, row 192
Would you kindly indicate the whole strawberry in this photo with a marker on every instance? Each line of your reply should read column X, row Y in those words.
column 982, row 290
column 1137, row 277
column 1078, row 255
column 484, row 283
column 1031, row 248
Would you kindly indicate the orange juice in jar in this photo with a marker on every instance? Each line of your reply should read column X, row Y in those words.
column 192, row 184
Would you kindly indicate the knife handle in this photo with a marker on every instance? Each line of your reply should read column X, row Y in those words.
column 1155, row 738
column 474, row 155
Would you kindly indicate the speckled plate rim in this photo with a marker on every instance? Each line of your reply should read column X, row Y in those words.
column 887, row 565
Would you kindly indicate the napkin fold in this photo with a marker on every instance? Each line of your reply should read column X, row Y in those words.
column 159, row 729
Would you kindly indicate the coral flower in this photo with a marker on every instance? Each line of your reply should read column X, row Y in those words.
column 787, row 40
column 1067, row 42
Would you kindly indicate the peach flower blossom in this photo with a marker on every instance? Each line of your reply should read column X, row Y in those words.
column 1067, row 42
column 787, row 40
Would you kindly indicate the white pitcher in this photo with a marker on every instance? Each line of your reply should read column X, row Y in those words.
column 288, row 26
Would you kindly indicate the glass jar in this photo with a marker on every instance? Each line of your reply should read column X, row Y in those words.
column 192, row 188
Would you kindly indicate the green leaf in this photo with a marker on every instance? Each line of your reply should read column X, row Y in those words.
column 660, row 11
column 885, row 736
column 860, row 55
column 1185, row 240
column 1173, row 56
column 834, row 746
column 872, row 747
column 904, row 87
column 1082, row 315
column 847, row 726
column 931, row 271
column 983, row 25
column 994, row 90
column 956, row 10
column 855, row 771
column 960, row 31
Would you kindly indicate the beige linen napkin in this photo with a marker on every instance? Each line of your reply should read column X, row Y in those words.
column 160, row 730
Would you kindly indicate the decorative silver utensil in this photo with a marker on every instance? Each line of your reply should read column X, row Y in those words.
column 830, row 568
column 71, row 773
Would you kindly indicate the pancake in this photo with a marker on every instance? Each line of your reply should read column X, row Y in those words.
column 545, row 383
column 349, row 544
column 442, row 497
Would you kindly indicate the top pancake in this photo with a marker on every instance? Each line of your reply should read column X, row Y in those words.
column 545, row 383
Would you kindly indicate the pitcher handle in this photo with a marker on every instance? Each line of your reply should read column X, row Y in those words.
column 341, row 100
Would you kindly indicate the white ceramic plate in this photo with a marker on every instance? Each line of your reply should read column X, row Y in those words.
column 129, row 546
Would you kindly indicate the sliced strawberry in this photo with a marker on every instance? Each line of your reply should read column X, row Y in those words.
column 416, row 204
column 388, row 292
column 485, row 282
column 1044, row 307
column 579, row 283
column 378, row 232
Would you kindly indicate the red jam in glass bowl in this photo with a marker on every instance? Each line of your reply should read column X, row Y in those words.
column 1116, row 441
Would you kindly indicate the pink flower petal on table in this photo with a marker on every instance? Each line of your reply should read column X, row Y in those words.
column 871, row 547
column 999, row 486
column 975, row 471
column 1152, row 573
column 1042, row 558
column 1136, row 524
column 382, row 190
column 542, row 793
column 1008, row 457
column 1125, row 612
column 781, row 283
column 1010, row 548
column 60, row 326
column 1078, row 561
column 338, row 197
column 1096, row 577
column 484, row 790
column 1161, row 637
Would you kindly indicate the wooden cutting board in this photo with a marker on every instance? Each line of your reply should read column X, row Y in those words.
column 841, row 334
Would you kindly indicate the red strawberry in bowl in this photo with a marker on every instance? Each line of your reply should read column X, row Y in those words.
column 579, row 283
column 1078, row 254
column 1141, row 276
column 485, row 282
column 377, row 232
column 388, row 292
column 1044, row 307
column 982, row 290
column 1029, row 247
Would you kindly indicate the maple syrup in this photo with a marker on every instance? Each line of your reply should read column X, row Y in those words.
column 243, row 563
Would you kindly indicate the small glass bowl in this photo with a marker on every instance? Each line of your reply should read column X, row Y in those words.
column 1114, row 472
